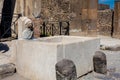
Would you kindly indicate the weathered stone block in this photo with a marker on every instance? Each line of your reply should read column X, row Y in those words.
column 38, row 62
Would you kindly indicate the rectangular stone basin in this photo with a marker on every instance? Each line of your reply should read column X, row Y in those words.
column 36, row 59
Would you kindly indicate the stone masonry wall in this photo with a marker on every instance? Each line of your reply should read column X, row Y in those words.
column 55, row 10
column 104, row 22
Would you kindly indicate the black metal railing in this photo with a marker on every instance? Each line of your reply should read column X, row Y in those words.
column 51, row 28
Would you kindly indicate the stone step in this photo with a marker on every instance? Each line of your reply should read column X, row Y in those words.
column 7, row 70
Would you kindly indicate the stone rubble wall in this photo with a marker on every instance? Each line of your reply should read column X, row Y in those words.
column 55, row 10
column 104, row 22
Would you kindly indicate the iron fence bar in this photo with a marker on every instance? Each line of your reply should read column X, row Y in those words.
column 60, row 23
column 44, row 25
column 50, row 29
column 67, row 28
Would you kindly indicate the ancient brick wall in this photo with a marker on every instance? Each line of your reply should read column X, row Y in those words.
column 104, row 22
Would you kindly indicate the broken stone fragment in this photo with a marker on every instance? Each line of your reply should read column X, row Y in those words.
column 66, row 70
column 7, row 70
column 111, row 48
